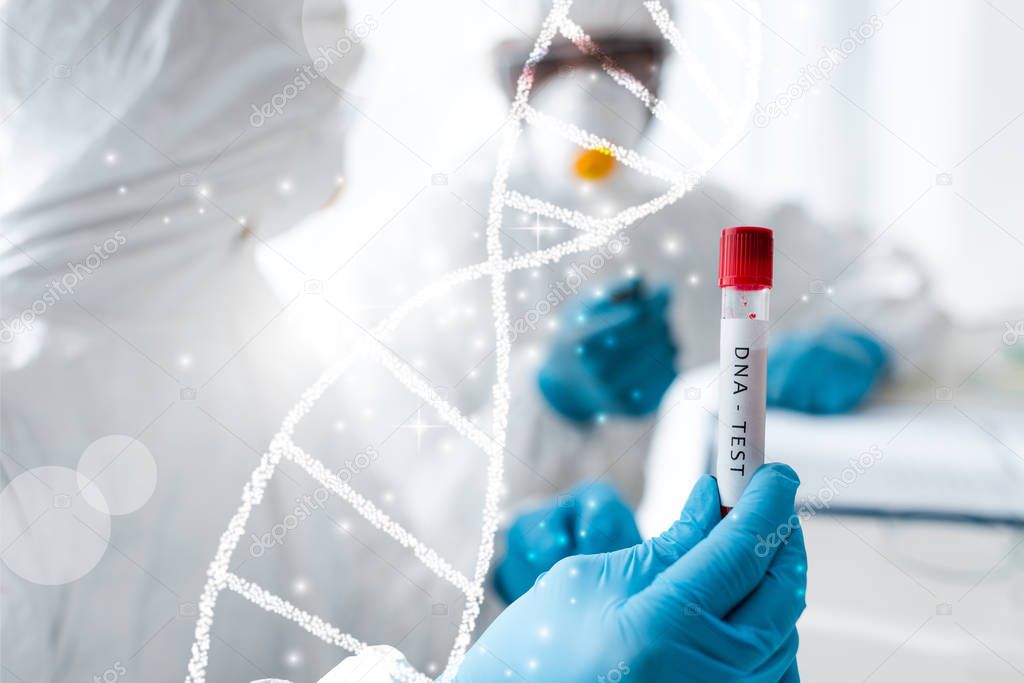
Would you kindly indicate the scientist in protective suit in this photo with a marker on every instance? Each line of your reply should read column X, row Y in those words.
column 834, row 307
column 137, row 182
column 840, row 314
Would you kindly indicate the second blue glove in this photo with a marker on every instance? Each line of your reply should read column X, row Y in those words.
column 826, row 371
column 591, row 518
column 613, row 355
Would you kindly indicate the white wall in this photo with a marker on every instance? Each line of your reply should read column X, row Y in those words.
column 935, row 90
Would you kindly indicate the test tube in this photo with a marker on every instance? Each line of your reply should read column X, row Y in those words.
column 745, row 278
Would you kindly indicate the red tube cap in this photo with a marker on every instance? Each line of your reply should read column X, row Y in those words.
column 745, row 257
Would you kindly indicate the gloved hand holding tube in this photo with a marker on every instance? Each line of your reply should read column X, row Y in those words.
column 707, row 600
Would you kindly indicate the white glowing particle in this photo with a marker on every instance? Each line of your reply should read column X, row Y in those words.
column 419, row 427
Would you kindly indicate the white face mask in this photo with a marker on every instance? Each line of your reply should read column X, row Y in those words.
column 590, row 100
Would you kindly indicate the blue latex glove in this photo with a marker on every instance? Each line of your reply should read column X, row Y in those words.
column 708, row 600
column 589, row 519
column 826, row 371
column 613, row 355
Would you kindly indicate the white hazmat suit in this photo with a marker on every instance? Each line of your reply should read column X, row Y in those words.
column 147, row 363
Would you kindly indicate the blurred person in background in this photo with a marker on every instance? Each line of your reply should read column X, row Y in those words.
column 841, row 315
column 838, row 315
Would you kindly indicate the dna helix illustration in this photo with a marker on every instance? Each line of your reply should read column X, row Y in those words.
column 593, row 232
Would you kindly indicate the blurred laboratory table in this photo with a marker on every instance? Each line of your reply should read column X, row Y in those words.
column 890, row 601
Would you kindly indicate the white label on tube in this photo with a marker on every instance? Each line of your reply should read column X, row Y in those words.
column 741, row 405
